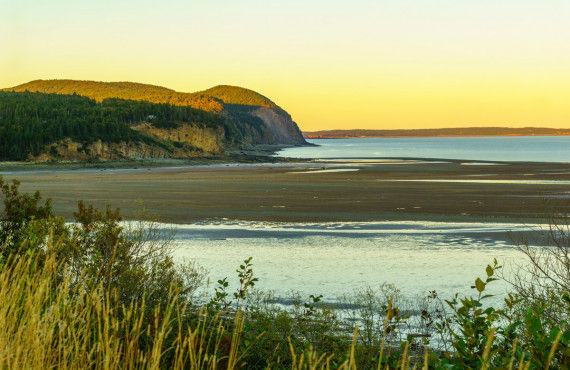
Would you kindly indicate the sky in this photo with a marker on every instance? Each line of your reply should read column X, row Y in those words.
column 374, row 64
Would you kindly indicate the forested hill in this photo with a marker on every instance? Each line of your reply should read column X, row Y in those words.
column 122, row 90
column 256, row 118
column 37, row 126
column 238, row 95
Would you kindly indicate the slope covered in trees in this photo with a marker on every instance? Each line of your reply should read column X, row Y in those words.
column 244, row 110
column 122, row 90
column 29, row 122
column 238, row 95
column 209, row 100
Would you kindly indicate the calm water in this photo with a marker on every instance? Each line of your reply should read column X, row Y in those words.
column 512, row 148
column 333, row 259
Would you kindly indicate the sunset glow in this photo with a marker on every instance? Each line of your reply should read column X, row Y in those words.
column 331, row 64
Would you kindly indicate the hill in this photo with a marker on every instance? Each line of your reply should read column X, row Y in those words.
column 122, row 90
column 238, row 95
column 437, row 132
column 250, row 117
column 44, row 127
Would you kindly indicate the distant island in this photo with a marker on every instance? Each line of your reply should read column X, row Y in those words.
column 68, row 120
column 437, row 132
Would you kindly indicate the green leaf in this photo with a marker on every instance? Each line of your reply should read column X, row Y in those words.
column 480, row 285
column 489, row 270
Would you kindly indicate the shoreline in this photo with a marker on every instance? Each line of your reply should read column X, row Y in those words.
column 234, row 161
column 15, row 167
column 259, row 154
column 226, row 229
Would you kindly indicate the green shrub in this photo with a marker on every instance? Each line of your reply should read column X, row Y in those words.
column 100, row 292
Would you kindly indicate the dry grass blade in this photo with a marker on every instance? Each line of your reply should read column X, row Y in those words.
column 553, row 348
column 487, row 351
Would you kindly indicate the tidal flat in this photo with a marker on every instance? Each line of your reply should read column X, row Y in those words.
column 312, row 191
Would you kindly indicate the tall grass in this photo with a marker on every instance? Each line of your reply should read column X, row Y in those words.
column 48, row 321
column 98, row 296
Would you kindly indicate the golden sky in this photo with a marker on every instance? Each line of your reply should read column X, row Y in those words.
column 331, row 64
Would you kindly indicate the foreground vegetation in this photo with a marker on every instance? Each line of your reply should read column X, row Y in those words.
column 104, row 294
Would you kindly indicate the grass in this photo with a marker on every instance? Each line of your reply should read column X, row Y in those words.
column 47, row 323
column 48, row 320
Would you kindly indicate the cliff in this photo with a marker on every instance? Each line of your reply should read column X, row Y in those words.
column 69, row 150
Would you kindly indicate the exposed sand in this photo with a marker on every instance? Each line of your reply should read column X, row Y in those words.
column 375, row 191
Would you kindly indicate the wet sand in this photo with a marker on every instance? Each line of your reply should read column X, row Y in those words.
column 332, row 190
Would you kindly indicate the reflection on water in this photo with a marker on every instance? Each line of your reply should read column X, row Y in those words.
column 335, row 258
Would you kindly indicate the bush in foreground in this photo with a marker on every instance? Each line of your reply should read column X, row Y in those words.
column 98, row 294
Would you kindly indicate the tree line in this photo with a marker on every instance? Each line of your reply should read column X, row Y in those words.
column 31, row 121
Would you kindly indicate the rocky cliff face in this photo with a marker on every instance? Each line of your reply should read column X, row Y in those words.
column 280, row 125
column 68, row 150
column 113, row 151
column 207, row 140
column 277, row 125
column 183, row 141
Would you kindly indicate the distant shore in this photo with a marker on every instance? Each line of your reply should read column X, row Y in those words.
column 441, row 132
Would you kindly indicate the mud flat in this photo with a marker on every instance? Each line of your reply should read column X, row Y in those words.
column 325, row 190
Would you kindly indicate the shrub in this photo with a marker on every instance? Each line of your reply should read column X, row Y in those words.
column 136, row 261
column 101, row 292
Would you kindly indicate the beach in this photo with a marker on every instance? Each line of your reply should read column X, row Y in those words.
column 317, row 190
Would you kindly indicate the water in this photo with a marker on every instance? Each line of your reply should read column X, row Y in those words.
column 334, row 259
column 497, row 148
